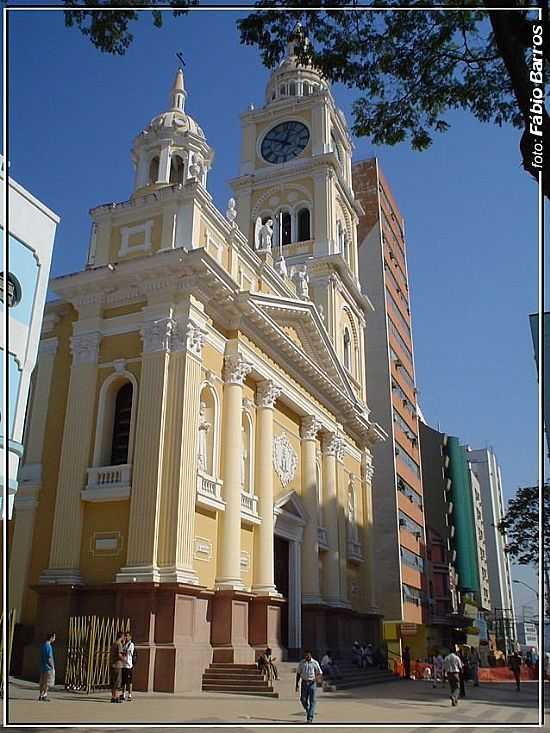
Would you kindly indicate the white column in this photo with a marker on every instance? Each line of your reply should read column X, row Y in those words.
column 264, row 582
column 229, row 548
column 332, row 444
column 164, row 165
column 310, row 497
column 294, row 596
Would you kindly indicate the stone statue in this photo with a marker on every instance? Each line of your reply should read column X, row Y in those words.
column 352, row 519
column 231, row 212
column 204, row 427
column 301, row 280
column 280, row 267
column 263, row 235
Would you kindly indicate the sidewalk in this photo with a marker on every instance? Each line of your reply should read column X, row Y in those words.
column 400, row 702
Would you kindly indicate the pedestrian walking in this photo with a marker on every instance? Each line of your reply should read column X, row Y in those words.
column 47, row 667
column 474, row 665
column 439, row 675
column 407, row 662
column 117, row 659
column 453, row 667
column 129, row 653
column 515, row 666
column 308, row 673
column 463, row 672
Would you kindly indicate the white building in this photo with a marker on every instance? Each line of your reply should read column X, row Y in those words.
column 485, row 467
column 481, row 543
column 31, row 227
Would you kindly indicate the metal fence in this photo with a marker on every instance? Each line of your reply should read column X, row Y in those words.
column 88, row 651
column 9, row 639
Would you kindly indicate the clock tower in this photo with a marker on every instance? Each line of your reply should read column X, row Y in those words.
column 296, row 170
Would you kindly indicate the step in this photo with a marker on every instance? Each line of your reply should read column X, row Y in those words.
column 229, row 665
column 241, row 672
column 233, row 682
column 209, row 687
column 244, row 692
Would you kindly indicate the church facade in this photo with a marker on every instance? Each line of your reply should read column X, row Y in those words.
column 199, row 435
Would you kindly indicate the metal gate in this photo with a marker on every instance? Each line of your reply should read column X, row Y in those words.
column 88, row 651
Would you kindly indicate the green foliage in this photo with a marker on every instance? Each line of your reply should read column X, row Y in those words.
column 108, row 30
column 521, row 526
column 409, row 68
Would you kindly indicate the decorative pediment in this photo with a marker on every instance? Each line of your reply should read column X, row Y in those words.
column 298, row 323
column 291, row 504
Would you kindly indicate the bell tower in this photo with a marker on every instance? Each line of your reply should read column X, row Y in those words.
column 296, row 170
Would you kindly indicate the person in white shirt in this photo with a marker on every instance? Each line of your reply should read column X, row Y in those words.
column 308, row 672
column 329, row 668
column 453, row 666
column 127, row 666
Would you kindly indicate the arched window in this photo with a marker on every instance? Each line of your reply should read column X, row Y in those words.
column 282, row 90
column 304, row 232
column 286, row 227
column 347, row 349
column 292, row 89
column 346, row 247
column 306, row 89
column 154, row 170
column 176, row 169
column 121, row 425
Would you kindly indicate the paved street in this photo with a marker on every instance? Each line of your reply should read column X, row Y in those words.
column 397, row 702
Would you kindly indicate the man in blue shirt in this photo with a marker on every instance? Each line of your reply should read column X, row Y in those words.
column 47, row 667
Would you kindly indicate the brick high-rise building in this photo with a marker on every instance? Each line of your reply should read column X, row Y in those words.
column 397, row 488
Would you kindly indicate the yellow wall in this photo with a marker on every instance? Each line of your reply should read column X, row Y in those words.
column 50, row 462
column 116, row 240
column 206, row 528
column 105, row 519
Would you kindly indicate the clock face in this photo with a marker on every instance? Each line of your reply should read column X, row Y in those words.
column 284, row 142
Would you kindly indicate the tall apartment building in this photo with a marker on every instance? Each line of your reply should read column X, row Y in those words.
column 397, row 488
column 487, row 471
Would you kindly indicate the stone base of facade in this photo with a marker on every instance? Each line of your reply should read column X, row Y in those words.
column 327, row 627
column 178, row 629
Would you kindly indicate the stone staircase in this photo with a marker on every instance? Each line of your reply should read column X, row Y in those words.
column 239, row 679
column 353, row 676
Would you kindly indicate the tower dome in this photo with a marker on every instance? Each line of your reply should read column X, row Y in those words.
column 293, row 78
column 172, row 149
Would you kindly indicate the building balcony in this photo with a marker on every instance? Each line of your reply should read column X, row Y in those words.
column 355, row 551
column 108, row 483
column 249, row 508
column 322, row 538
column 209, row 492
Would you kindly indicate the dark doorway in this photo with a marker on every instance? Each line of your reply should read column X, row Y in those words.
column 280, row 548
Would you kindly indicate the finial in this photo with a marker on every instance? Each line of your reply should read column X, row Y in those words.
column 178, row 93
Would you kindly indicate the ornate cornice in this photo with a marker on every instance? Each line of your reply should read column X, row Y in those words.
column 236, row 369
column 85, row 347
column 310, row 427
column 267, row 393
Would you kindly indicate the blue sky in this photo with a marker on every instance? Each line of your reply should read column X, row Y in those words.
column 470, row 211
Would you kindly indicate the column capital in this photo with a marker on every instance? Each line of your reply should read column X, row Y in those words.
column 267, row 393
column 236, row 369
column 194, row 338
column 157, row 335
column 333, row 445
column 309, row 427
column 85, row 347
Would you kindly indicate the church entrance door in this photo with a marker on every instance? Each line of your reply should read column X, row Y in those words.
column 281, row 573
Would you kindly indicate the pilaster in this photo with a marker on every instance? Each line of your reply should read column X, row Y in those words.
column 143, row 529
column 75, row 456
column 367, row 568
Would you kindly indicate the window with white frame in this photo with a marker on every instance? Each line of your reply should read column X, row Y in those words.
column 116, row 415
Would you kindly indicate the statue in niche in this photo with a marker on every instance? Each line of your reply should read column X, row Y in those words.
column 204, row 427
column 263, row 235
column 352, row 518
column 244, row 456
column 231, row 212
